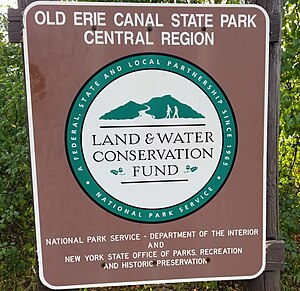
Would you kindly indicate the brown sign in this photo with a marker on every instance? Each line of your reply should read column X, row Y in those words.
column 148, row 141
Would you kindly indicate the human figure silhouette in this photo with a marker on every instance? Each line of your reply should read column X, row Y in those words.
column 169, row 111
column 175, row 115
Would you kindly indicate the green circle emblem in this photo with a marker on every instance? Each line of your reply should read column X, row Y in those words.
column 151, row 138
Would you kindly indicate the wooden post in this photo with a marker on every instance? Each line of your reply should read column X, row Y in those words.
column 270, row 279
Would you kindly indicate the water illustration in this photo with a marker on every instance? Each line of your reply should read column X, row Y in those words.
column 143, row 113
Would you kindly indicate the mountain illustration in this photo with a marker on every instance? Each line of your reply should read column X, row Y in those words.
column 158, row 108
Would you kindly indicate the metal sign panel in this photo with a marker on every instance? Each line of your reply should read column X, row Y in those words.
column 148, row 141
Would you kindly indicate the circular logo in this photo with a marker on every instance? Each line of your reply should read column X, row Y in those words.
column 151, row 138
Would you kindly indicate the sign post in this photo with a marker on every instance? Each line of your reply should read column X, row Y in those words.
column 148, row 141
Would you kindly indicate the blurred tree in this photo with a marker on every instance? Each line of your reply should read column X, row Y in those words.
column 17, row 255
column 289, row 160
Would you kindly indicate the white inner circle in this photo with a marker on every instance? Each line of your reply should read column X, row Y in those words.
column 156, row 174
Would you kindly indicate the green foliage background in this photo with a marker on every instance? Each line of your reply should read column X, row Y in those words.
column 17, row 255
column 17, row 239
column 289, row 146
